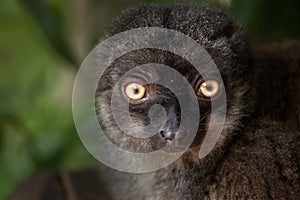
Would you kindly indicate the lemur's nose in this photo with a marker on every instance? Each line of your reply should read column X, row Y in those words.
column 169, row 130
column 167, row 134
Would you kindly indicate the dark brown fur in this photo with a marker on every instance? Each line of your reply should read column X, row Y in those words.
column 257, row 156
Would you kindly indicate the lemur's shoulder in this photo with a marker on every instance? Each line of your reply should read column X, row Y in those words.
column 263, row 162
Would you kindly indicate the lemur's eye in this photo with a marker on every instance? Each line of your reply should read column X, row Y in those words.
column 135, row 91
column 208, row 89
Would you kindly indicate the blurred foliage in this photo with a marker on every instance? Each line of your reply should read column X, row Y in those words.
column 43, row 42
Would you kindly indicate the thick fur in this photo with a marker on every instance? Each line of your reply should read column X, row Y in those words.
column 256, row 157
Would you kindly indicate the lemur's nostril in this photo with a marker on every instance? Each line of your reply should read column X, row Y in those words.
column 162, row 133
column 167, row 135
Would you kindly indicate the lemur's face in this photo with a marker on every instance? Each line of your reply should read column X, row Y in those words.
column 220, row 41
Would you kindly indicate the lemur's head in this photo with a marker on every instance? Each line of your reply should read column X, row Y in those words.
column 218, row 35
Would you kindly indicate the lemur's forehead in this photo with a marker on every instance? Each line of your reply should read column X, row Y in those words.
column 211, row 27
column 151, row 57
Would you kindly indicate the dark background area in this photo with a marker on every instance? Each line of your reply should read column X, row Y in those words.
column 43, row 42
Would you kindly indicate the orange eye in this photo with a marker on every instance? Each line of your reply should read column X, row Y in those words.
column 135, row 91
column 209, row 89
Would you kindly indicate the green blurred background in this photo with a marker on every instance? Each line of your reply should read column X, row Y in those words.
column 43, row 42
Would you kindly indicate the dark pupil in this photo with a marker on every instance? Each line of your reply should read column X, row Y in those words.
column 209, row 88
column 135, row 91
